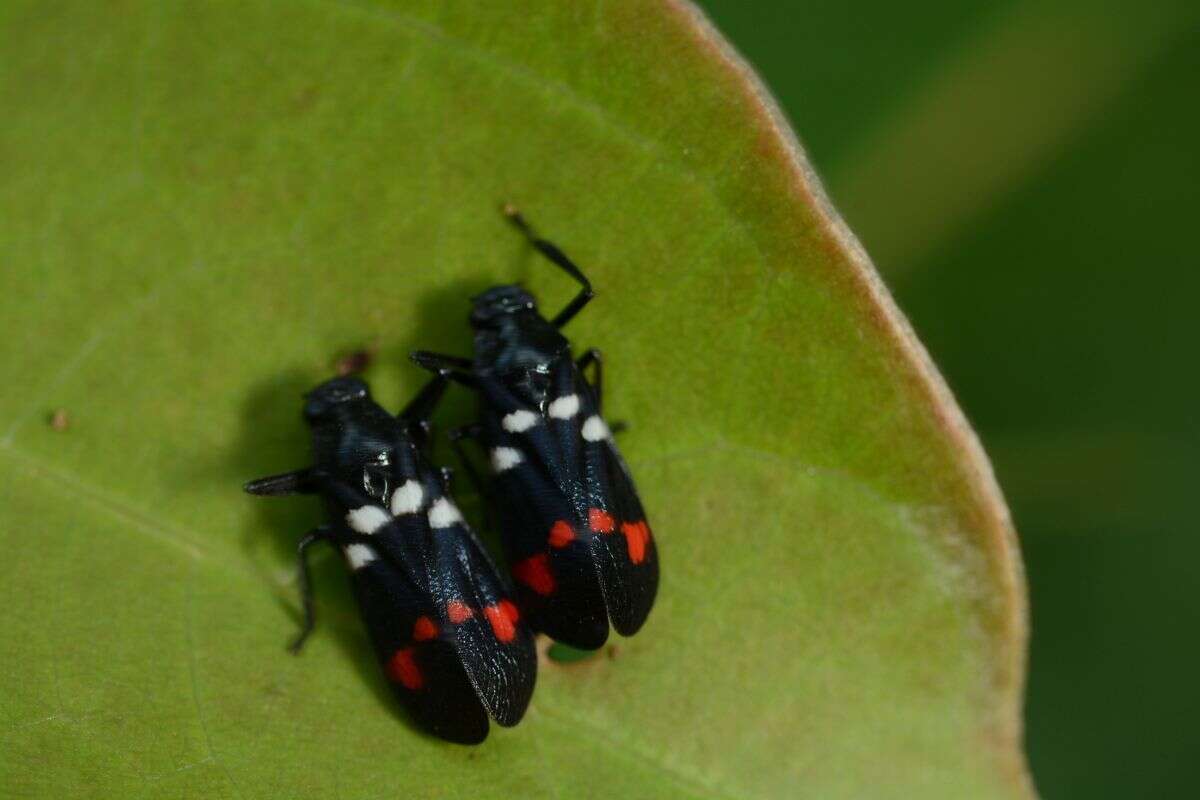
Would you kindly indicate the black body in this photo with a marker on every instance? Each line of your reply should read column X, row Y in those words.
column 578, row 542
column 439, row 615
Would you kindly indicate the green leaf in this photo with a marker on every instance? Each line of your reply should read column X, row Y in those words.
column 203, row 204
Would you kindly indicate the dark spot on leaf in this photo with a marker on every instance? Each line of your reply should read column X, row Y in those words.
column 355, row 361
column 305, row 99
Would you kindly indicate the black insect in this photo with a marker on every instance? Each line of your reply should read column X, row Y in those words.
column 449, row 637
column 577, row 538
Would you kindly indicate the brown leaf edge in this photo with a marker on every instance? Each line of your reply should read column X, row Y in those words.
column 999, row 538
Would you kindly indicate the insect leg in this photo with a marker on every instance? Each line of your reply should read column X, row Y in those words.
column 560, row 259
column 420, row 409
column 456, row 436
column 306, row 592
column 446, row 478
column 455, row 368
column 595, row 359
column 297, row 482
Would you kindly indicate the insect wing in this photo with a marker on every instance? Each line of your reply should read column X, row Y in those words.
column 623, row 549
column 549, row 556
column 495, row 645
column 580, row 546
column 423, row 667
column 626, row 555
column 556, row 582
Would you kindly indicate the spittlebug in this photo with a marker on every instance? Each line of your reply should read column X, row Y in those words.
column 578, row 542
column 449, row 637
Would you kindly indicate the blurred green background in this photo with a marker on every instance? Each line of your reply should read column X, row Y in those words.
column 1024, row 175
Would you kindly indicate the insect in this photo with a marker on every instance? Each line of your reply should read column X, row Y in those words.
column 444, row 626
column 578, row 542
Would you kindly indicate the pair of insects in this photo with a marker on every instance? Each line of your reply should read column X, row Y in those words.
column 455, row 638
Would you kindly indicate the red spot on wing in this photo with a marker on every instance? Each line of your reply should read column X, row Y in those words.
column 600, row 521
column 561, row 534
column 502, row 626
column 535, row 573
column 458, row 611
column 403, row 669
column 424, row 629
column 637, row 535
column 510, row 610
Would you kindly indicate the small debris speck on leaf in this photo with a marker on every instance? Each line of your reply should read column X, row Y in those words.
column 355, row 361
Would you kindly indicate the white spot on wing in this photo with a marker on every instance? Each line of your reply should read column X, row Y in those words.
column 443, row 514
column 358, row 555
column 367, row 519
column 519, row 420
column 408, row 498
column 594, row 429
column 564, row 407
column 505, row 458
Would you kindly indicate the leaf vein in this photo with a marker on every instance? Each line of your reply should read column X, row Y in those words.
column 618, row 742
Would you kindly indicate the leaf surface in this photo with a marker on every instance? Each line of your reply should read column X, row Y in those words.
column 202, row 204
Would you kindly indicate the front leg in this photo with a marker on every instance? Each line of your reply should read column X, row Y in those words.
column 455, row 368
column 420, row 408
column 300, row 481
column 559, row 258
column 419, row 412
